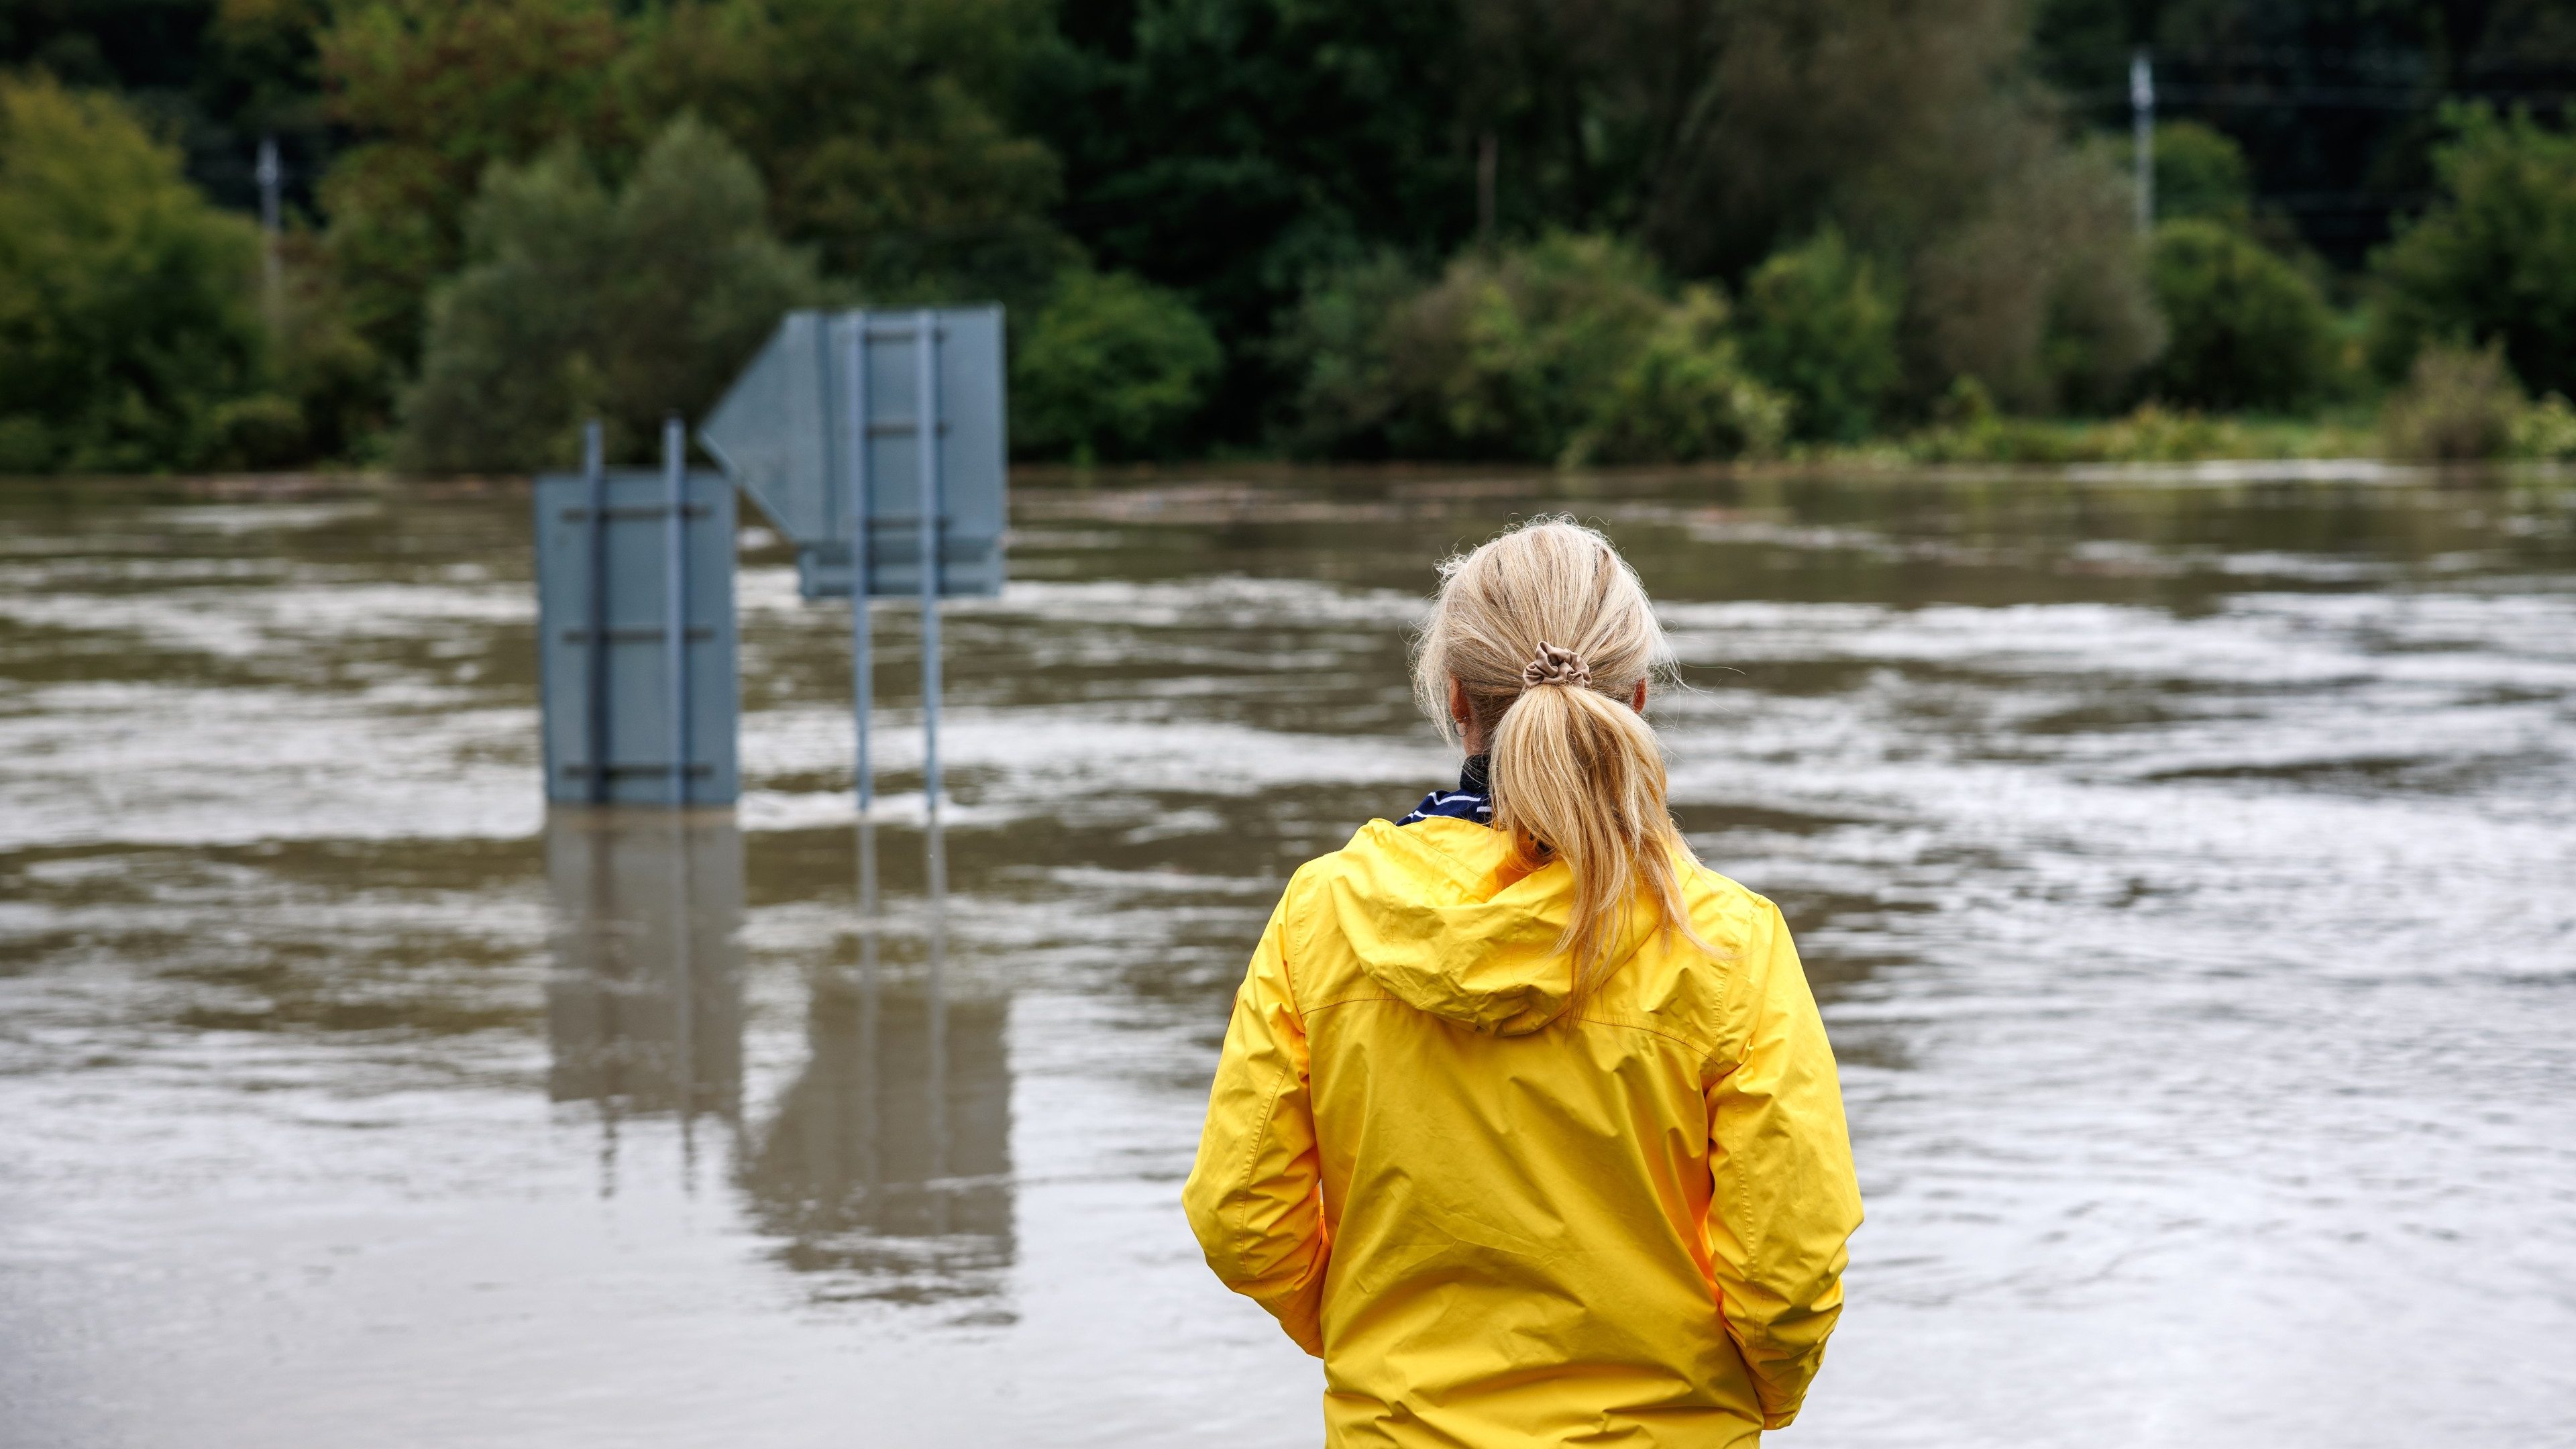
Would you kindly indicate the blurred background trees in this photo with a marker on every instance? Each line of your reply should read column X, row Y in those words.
column 129, row 330
column 1549, row 229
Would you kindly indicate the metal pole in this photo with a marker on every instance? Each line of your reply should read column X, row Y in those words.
column 862, row 660
column 934, row 986
column 2142, row 126
column 594, row 474
column 675, row 598
column 926, row 431
column 269, row 173
column 684, row 1050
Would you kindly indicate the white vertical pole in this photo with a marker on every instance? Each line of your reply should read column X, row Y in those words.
column 2142, row 126
column 269, row 174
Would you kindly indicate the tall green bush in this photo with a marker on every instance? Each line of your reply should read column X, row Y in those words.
column 1111, row 367
column 1563, row 349
column 1684, row 397
column 578, row 301
column 2201, row 174
column 2247, row 329
column 2495, row 257
column 2459, row 404
column 1819, row 324
column 129, row 332
column 2043, row 297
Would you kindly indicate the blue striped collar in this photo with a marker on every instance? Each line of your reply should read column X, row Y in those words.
column 1472, row 800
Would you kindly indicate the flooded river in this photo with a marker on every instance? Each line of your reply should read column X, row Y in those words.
column 2187, row 865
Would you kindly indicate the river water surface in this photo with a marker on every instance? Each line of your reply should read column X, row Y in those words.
column 2186, row 864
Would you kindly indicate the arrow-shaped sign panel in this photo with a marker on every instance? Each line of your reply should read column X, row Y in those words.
column 829, row 410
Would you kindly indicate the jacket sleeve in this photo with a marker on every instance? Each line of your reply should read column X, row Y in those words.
column 1785, row 1200
column 1255, row 1196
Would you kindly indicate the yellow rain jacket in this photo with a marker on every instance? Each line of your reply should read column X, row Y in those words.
column 1504, row 1221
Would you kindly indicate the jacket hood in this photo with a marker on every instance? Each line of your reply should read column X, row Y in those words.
column 1440, row 916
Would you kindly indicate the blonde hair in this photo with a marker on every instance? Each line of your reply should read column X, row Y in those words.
column 1550, row 633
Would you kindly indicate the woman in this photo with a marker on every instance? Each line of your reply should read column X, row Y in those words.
column 1526, row 1124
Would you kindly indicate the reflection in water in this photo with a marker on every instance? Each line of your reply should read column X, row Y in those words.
column 644, row 1009
column 889, row 1156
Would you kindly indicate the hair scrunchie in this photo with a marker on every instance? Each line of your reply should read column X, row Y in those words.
column 1552, row 665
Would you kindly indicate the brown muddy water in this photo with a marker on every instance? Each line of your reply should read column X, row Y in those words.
column 2187, row 864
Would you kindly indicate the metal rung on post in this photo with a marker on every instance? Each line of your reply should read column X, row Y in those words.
column 635, row 635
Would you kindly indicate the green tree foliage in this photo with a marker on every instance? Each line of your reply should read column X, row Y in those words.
column 2043, row 298
column 1111, row 367
column 1233, row 149
column 1820, row 325
column 2495, row 257
column 440, row 90
column 2201, row 173
column 1566, row 348
column 577, row 301
column 1684, row 397
column 2323, row 95
column 2458, row 404
column 128, row 338
column 880, row 125
column 2248, row 329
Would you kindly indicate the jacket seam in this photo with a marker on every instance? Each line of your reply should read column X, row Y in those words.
column 1676, row 1038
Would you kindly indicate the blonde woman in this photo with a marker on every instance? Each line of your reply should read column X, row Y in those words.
column 1526, row 1123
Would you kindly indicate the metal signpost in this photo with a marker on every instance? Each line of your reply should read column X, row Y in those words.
column 635, row 627
column 874, row 440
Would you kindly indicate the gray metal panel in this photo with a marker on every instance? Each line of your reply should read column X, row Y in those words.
column 768, row 432
column 640, row 727
column 782, row 434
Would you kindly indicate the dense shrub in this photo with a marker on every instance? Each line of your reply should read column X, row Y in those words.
column 2246, row 328
column 128, row 319
column 2201, row 174
column 1333, row 348
column 1112, row 367
column 2546, row 430
column 1684, row 397
column 1563, row 349
column 2458, row 404
column 2043, row 298
column 1819, row 324
column 578, row 302
column 2495, row 257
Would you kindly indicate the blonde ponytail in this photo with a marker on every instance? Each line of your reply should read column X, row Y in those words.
column 1550, row 634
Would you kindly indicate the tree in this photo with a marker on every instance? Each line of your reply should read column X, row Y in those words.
column 881, row 128
column 2248, row 329
column 1565, row 349
column 440, row 90
column 576, row 301
column 1110, row 368
column 2495, row 256
column 128, row 338
column 1236, row 149
column 2043, row 298
column 1820, row 325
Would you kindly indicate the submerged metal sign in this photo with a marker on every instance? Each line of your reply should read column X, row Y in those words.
column 875, row 441
column 846, row 422
column 635, row 623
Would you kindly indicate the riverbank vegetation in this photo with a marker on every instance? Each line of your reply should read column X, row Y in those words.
column 1577, row 233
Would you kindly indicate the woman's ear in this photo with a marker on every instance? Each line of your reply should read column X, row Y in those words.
column 1637, row 701
column 1458, row 702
